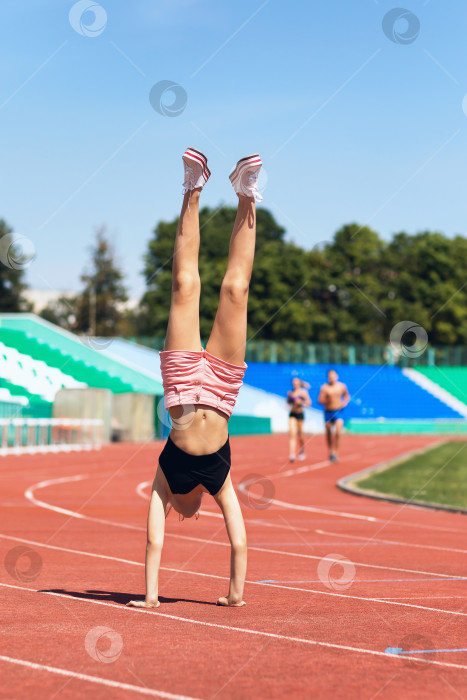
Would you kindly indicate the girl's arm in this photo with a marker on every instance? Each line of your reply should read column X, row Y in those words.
column 230, row 507
column 158, row 511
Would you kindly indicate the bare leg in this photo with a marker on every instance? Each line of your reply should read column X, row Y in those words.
column 228, row 335
column 292, row 437
column 159, row 508
column 337, row 435
column 183, row 326
column 329, row 436
column 230, row 507
column 301, row 441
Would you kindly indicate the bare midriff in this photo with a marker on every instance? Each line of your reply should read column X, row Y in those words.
column 198, row 430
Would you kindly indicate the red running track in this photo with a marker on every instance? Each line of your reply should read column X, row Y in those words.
column 311, row 627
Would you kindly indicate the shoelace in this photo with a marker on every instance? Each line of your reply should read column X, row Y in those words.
column 252, row 186
column 189, row 182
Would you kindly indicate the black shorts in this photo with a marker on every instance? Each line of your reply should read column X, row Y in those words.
column 184, row 472
column 296, row 415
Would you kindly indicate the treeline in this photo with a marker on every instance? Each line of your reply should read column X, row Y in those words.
column 352, row 288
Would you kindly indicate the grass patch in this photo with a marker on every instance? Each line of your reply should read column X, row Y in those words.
column 438, row 475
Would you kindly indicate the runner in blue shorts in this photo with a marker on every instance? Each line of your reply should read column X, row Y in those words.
column 334, row 396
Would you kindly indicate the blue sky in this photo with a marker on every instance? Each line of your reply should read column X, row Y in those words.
column 350, row 125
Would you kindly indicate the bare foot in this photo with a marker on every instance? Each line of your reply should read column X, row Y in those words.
column 230, row 604
column 142, row 604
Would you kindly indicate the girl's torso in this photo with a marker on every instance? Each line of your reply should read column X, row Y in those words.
column 198, row 430
column 296, row 399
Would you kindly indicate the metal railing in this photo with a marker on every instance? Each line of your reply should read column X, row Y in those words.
column 338, row 353
column 43, row 435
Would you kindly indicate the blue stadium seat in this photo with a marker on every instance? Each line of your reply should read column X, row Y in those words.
column 377, row 391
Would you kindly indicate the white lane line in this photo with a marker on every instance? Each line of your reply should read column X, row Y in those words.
column 311, row 467
column 244, row 630
column 140, row 489
column 243, row 486
column 317, row 465
column 383, row 600
column 313, row 509
column 401, row 544
column 43, row 504
column 95, row 679
column 321, row 465
column 29, row 494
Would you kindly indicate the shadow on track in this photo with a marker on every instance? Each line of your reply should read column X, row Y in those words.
column 118, row 597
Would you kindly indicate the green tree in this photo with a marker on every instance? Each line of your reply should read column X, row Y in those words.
column 430, row 284
column 99, row 307
column 216, row 228
column 11, row 279
column 62, row 312
column 353, row 289
column 347, row 285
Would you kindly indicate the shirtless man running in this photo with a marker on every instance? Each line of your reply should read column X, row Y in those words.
column 334, row 396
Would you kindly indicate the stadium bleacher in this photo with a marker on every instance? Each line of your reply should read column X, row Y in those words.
column 452, row 379
column 23, row 376
column 376, row 391
column 43, row 342
column 38, row 359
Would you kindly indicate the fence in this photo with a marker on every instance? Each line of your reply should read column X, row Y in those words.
column 44, row 435
column 10, row 409
column 337, row 353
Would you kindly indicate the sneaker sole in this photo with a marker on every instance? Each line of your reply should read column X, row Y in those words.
column 242, row 164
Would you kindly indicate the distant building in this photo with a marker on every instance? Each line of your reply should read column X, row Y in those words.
column 40, row 298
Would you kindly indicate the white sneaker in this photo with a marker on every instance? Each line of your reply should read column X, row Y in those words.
column 197, row 172
column 292, row 458
column 244, row 177
column 301, row 455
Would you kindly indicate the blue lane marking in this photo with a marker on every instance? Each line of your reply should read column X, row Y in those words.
column 398, row 651
column 371, row 580
column 316, row 544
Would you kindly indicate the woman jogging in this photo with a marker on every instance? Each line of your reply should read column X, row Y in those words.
column 201, row 386
column 298, row 398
